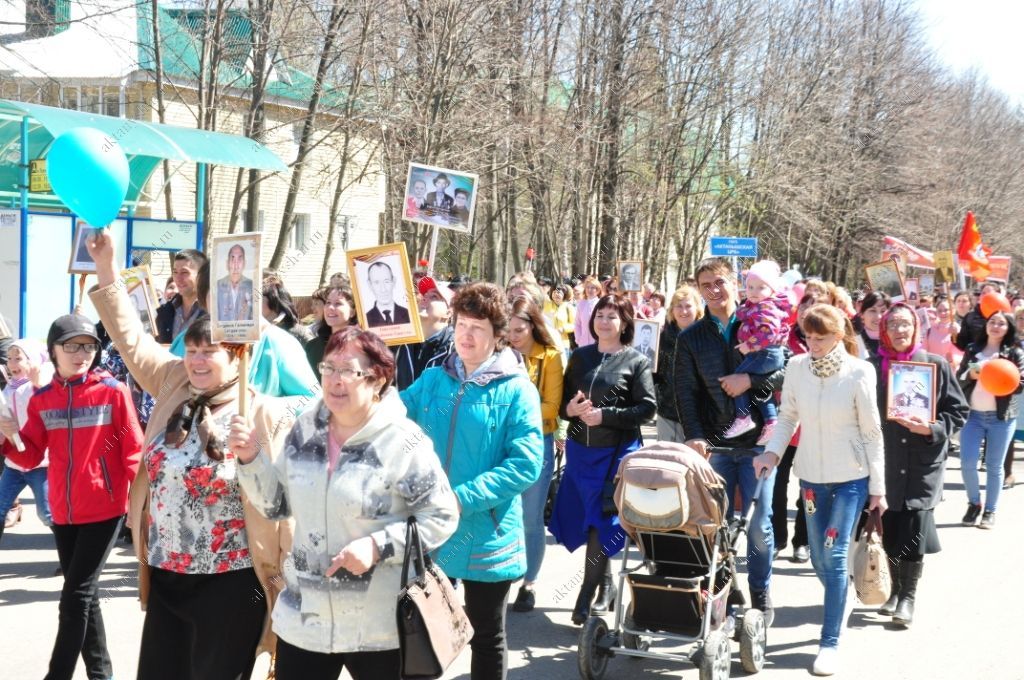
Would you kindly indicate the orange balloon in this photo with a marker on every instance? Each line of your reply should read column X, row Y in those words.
column 992, row 303
column 1000, row 377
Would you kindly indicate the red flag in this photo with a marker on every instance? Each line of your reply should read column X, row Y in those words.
column 972, row 252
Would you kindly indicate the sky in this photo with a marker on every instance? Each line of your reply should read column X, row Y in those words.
column 979, row 33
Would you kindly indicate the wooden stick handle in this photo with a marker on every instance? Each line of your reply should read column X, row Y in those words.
column 243, row 383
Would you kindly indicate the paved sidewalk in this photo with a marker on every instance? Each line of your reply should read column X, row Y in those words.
column 967, row 624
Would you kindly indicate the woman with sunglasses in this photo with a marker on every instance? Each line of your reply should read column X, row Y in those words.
column 208, row 560
column 353, row 470
column 85, row 421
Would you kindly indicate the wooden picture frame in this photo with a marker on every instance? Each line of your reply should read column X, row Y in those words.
column 885, row 277
column 139, row 286
column 236, row 306
column 81, row 261
column 385, row 297
column 912, row 288
column 634, row 282
column 649, row 348
column 911, row 390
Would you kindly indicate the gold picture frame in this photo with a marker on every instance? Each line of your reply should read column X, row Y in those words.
column 885, row 277
column 383, row 289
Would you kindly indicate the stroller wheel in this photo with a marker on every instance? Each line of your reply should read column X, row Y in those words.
column 716, row 660
column 753, row 640
column 631, row 641
column 592, row 659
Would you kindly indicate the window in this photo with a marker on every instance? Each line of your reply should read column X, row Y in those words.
column 299, row 236
column 69, row 97
column 245, row 220
column 90, row 101
column 112, row 103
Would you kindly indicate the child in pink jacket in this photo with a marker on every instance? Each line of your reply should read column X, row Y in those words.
column 763, row 332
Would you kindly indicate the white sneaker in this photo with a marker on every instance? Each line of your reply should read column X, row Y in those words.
column 826, row 662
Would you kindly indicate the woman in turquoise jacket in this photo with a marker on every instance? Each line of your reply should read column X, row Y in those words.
column 482, row 414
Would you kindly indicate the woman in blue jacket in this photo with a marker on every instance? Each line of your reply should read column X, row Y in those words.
column 482, row 414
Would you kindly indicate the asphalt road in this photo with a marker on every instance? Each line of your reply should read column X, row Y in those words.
column 966, row 625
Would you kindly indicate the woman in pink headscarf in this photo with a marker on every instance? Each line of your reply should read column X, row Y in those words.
column 915, row 458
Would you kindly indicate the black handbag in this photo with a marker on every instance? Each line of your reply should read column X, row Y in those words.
column 556, row 479
column 432, row 625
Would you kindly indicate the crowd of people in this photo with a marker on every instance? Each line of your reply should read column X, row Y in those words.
column 300, row 488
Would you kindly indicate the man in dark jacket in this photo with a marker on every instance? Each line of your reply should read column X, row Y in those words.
column 706, row 355
column 972, row 330
column 175, row 315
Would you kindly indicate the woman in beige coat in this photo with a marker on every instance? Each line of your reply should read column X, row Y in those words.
column 830, row 394
column 209, row 561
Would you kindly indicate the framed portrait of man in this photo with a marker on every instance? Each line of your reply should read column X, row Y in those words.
column 646, row 337
column 385, row 298
column 631, row 275
column 440, row 197
column 235, row 277
column 926, row 284
column 885, row 277
column 911, row 391
column 912, row 288
column 945, row 269
column 81, row 262
column 139, row 286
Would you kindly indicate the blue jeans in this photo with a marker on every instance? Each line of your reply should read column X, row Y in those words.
column 739, row 470
column 997, row 434
column 534, row 499
column 763, row 361
column 836, row 510
column 13, row 482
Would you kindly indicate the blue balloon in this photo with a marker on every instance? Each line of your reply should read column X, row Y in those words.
column 89, row 172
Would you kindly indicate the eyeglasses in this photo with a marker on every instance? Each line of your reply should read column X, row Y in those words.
column 899, row 325
column 346, row 374
column 73, row 347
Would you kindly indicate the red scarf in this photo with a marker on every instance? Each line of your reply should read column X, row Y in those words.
column 885, row 348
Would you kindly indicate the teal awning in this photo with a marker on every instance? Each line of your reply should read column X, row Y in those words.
column 146, row 144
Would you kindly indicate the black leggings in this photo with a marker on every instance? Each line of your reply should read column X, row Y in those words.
column 201, row 626
column 82, row 550
column 294, row 663
column 485, row 609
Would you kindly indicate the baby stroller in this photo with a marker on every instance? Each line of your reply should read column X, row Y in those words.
column 672, row 506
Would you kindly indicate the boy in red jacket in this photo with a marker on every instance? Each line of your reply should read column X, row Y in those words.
column 87, row 421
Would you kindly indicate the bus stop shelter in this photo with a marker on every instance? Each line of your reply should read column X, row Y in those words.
column 37, row 230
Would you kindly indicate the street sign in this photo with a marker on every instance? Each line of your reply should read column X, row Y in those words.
column 729, row 246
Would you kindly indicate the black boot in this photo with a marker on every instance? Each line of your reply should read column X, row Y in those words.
column 581, row 611
column 910, row 572
column 606, row 595
column 889, row 608
column 594, row 570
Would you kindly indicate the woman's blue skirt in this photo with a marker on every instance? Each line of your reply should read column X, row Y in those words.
column 578, row 503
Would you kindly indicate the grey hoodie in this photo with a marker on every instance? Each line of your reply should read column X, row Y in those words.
column 386, row 472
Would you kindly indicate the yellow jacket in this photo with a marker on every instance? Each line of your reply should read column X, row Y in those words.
column 546, row 368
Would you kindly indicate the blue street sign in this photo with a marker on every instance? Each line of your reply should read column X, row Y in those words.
column 729, row 246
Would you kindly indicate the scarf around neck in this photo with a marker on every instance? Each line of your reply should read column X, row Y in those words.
column 196, row 411
column 885, row 348
column 829, row 365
